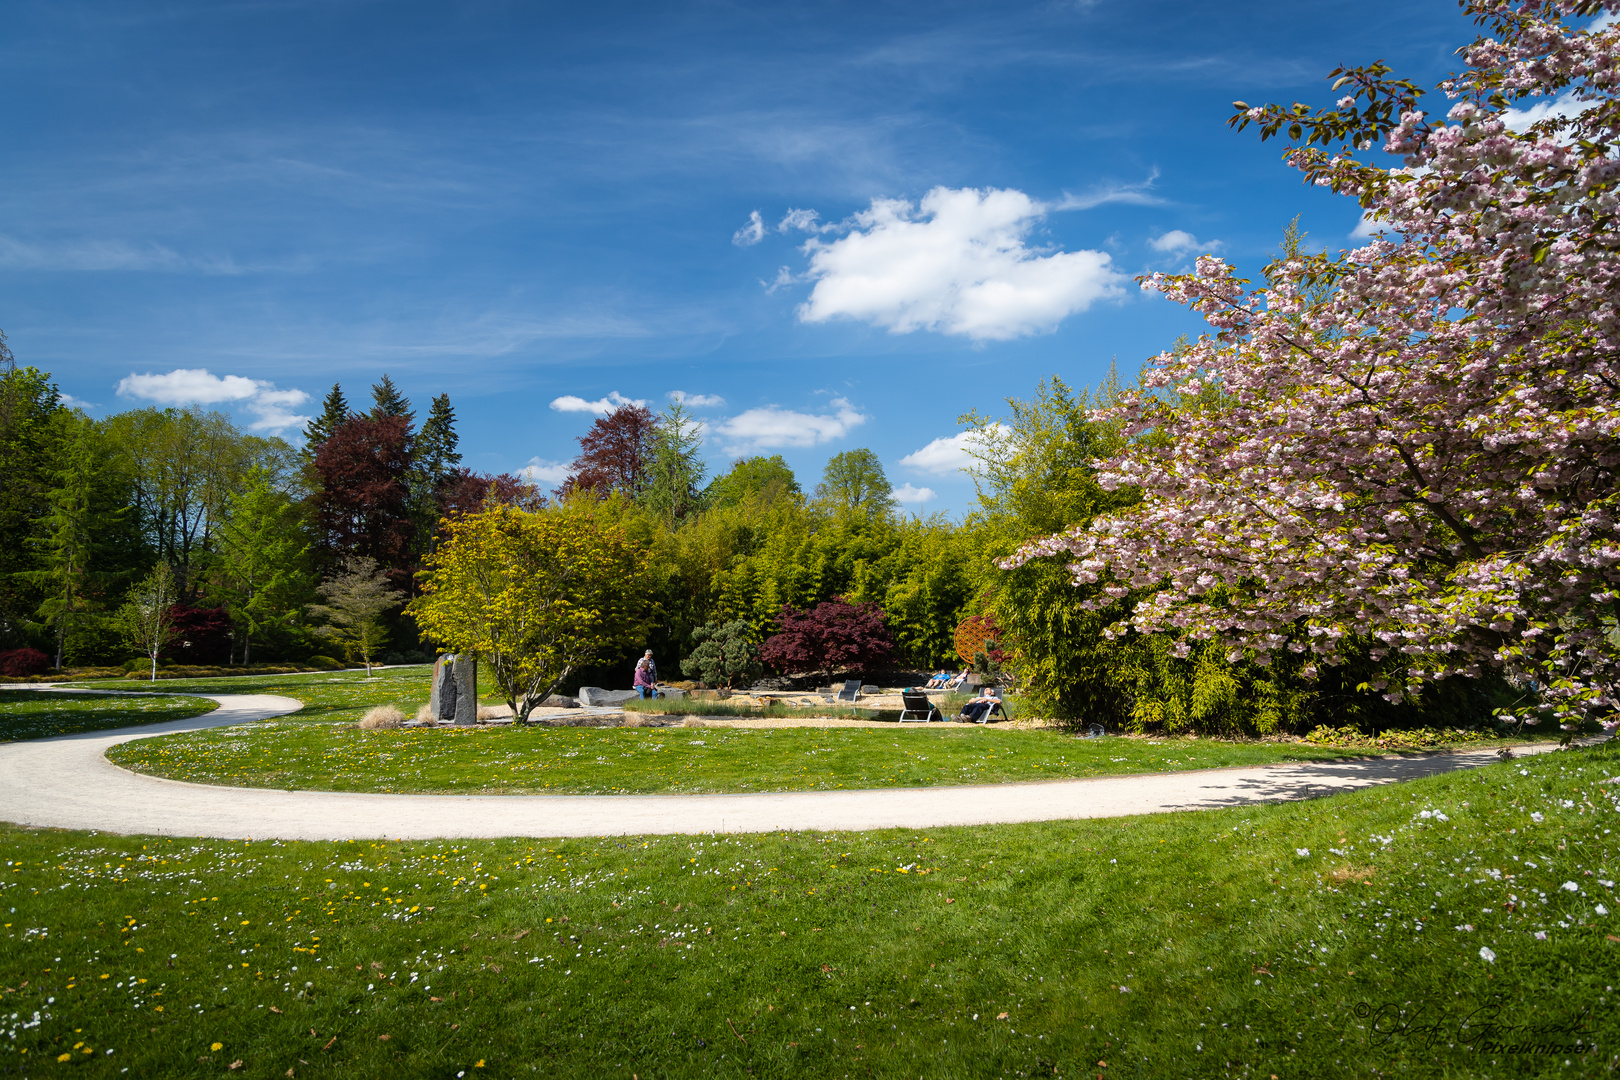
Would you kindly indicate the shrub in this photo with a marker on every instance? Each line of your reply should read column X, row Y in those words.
column 325, row 663
column 381, row 716
column 832, row 636
column 725, row 655
column 19, row 663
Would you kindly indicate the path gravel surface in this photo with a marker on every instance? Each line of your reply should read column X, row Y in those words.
column 68, row 783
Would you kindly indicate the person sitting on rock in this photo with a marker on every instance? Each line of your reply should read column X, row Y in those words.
column 646, row 681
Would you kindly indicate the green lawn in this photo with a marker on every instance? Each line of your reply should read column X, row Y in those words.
column 39, row 714
column 294, row 754
column 1392, row 930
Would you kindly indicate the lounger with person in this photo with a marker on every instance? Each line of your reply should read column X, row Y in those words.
column 915, row 707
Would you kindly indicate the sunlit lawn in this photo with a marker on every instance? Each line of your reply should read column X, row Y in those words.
column 1338, row 937
column 39, row 714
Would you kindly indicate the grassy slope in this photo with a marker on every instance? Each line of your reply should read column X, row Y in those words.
column 1175, row 945
column 39, row 714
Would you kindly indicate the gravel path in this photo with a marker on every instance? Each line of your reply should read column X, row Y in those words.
column 68, row 783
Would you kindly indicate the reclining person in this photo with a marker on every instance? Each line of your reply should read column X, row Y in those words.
column 936, row 681
column 978, row 710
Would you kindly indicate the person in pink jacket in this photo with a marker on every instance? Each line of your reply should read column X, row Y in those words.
column 646, row 681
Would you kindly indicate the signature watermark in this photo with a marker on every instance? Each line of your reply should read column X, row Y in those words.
column 1488, row 1029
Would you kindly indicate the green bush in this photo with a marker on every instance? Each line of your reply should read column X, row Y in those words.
column 324, row 663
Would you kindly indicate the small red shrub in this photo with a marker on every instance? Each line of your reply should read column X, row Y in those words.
column 19, row 663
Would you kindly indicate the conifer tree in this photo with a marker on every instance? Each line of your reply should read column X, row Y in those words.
column 436, row 453
column 388, row 401
column 334, row 411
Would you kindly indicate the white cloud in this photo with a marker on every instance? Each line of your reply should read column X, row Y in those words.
column 1181, row 242
column 601, row 406
column 1603, row 21
column 784, row 278
column 759, row 429
column 540, row 471
column 905, row 493
column 198, row 386
column 946, row 454
column 71, row 402
column 956, row 264
column 1367, row 228
column 803, row 220
column 751, row 233
column 1134, row 194
column 1564, row 107
column 697, row 401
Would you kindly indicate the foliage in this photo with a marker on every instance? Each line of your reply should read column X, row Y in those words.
column 388, row 401
column 753, row 478
column 356, row 598
column 334, row 412
column 836, row 635
column 184, row 465
column 1414, row 442
column 853, row 483
column 262, row 572
column 726, row 654
column 535, row 594
column 467, row 492
column 29, row 440
column 147, row 617
column 363, row 505
column 17, row 663
column 614, row 454
column 675, row 469
column 205, row 635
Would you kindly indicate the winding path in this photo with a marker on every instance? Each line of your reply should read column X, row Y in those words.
column 67, row 782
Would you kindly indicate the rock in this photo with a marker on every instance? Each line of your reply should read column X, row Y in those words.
column 442, row 697
column 466, row 676
column 560, row 701
column 871, row 690
column 671, row 692
column 596, row 696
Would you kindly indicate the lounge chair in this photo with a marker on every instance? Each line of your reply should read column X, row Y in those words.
column 851, row 691
column 917, row 708
column 998, row 706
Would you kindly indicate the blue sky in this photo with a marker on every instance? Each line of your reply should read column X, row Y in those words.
column 536, row 207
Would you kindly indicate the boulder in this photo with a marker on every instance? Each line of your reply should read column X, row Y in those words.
column 466, row 675
column 597, row 697
column 560, row 701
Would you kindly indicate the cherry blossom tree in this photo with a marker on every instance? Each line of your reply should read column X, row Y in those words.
column 1411, row 443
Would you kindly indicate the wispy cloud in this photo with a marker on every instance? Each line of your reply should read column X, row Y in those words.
column 1137, row 194
column 772, row 427
column 198, row 386
column 697, row 401
column 751, row 233
column 601, row 406
column 955, row 263
column 1564, row 107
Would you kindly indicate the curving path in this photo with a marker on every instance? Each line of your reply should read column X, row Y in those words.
column 68, row 783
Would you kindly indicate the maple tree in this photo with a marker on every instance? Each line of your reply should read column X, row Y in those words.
column 836, row 635
column 363, row 503
column 535, row 595
column 1411, row 443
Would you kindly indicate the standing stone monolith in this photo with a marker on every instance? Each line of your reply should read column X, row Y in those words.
column 466, row 679
column 442, row 700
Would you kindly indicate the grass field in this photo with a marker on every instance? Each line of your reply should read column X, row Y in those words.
column 1456, row 926
column 39, row 714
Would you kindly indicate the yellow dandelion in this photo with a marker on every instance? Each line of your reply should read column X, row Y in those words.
column 217, row 1047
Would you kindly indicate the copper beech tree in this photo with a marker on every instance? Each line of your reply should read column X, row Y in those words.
column 536, row 595
column 1412, row 443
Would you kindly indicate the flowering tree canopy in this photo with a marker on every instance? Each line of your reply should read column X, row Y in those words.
column 1414, row 442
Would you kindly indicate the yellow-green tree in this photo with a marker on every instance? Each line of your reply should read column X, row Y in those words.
column 536, row 595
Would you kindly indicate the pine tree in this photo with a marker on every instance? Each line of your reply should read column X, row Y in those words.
column 675, row 473
column 67, row 549
column 334, row 411
column 436, row 453
column 389, row 401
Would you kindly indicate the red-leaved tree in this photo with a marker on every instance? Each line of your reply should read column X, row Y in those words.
column 832, row 636
column 467, row 492
column 363, row 503
column 614, row 454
